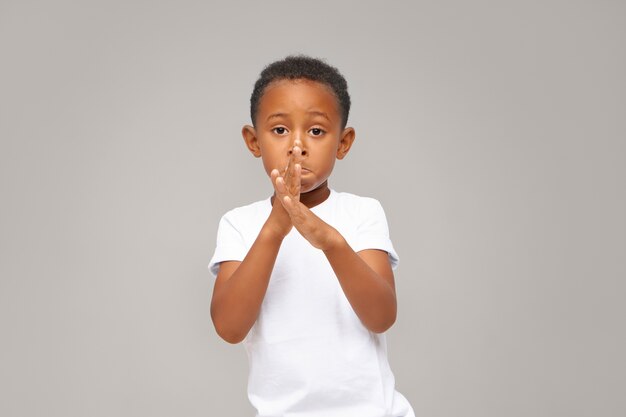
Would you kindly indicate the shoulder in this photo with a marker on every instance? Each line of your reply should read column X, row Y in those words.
column 355, row 211
column 247, row 209
column 356, row 203
column 247, row 214
column 367, row 224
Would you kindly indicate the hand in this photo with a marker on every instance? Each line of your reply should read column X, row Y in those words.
column 278, row 223
column 287, row 187
column 279, row 220
column 288, row 182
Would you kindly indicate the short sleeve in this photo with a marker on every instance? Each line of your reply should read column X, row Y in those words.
column 229, row 246
column 373, row 231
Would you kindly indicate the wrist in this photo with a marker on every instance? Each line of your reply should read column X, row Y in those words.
column 335, row 241
column 272, row 232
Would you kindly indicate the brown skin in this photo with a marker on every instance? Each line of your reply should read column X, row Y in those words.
column 298, row 135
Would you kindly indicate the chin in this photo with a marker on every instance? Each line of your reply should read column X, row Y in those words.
column 304, row 190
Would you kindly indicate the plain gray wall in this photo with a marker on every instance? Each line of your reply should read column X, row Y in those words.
column 492, row 132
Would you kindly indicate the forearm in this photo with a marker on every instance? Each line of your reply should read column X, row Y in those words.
column 370, row 295
column 235, row 307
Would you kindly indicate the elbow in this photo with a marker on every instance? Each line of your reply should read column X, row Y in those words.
column 382, row 328
column 233, row 338
column 382, row 318
column 226, row 331
column 228, row 334
column 383, row 323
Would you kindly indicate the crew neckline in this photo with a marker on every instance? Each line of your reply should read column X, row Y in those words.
column 314, row 208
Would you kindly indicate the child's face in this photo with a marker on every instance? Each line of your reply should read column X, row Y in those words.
column 304, row 110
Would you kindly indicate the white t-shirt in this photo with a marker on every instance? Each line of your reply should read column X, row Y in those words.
column 309, row 354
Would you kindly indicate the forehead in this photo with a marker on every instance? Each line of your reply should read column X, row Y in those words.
column 300, row 95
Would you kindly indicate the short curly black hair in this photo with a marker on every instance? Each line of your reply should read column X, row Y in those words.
column 302, row 67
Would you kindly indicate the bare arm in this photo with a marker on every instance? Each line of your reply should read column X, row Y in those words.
column 240, row 287
column 366, row 278
column 368, row 283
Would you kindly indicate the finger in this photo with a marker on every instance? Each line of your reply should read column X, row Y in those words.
column 287, row 173
column 274, row 175
column 280, row 187
column 295, row 154
column 291, row 181
column 278, row 182
column 296, row 183
column 288, row 204
column 298, row 144
column 294, row 179
column 294, row 209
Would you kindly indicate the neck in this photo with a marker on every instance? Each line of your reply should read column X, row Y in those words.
column 314, row 197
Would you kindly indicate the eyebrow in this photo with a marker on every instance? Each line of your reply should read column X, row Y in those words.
column 313, row 112
column 275, row 115
column 320, row 113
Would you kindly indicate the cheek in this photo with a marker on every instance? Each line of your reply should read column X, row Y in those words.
column 267, row 168
column 274, row 156
column 330, row 156
column 271, row 162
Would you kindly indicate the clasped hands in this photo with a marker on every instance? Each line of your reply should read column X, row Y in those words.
column 288, row 211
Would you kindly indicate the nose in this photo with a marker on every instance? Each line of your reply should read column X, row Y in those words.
column 298, row 142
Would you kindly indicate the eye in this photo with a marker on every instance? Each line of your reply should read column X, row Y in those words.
column 279, row 130
column 316, row 131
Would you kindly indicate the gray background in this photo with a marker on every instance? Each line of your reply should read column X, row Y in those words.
column 492, row 132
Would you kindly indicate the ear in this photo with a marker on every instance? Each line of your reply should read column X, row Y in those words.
column 249, row 136
column 345, row 143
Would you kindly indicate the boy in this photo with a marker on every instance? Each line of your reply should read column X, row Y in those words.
column 304, row 278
